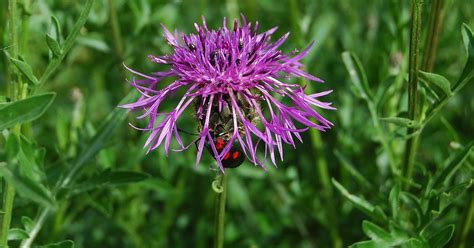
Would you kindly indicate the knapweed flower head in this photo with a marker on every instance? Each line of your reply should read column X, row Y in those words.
column 237, row 81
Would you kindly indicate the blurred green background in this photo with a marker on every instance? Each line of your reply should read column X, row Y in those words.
column 290, row 206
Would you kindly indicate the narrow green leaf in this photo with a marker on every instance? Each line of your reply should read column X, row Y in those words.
column 53, row 45
column 468, row 71
column 468, row 40
column 416, row 243
column 17, row 234
column 438, row 80
column 96, row 43
column 25, row 110
column 405, row 136
column 394, row 199
column 25, row 69
column 27, row 187
column 357, row 74
column 110, row 178
column 27, row 223
column 57, row 27
column 375, row 232
column 400, row 121
column 120, row 177
column 62, row 244
column 453, row 166
column 441, row 237
column 347, row 165
column 30, row 159
column 365, row 244
column 450, row 195
column 359, row 202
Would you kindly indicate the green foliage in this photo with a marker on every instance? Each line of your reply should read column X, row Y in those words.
column 83, row 179
column 26, row 70
column 24, row 110
column 24, row 170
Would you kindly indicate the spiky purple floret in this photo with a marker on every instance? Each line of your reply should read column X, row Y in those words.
column 213, row 65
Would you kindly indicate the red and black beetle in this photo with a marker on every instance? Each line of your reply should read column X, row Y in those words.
column 233, row 158
column 221, row 127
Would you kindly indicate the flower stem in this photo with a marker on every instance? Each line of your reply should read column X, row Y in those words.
column 220, row 187
column 413, row 110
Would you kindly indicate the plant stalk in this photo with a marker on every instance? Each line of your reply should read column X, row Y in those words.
column 434, row 29
column 16, row 94
column 116, row 33
column 220, row 187
column 413, row 108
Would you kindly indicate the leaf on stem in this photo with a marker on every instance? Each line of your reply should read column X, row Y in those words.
column 437, row 80
column 110, row 178
column 360, row 203
column 27, row 187
column 440, row 238
column 402, row 122
column 453, row 166
column 53, row 46
column 17, row 234
column 25, row 110
column 25, row 69
column 357, row 74
column 468, row 40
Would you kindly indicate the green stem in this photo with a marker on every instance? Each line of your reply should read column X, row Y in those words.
column 118, row 44
column 16, row 93
column 8, row 197
column 12, row 5
column 220, row 187
column 116, row 33
column 413, row 111
column 434, row 28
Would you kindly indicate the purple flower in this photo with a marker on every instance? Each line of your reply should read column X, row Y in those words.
column 236, row 80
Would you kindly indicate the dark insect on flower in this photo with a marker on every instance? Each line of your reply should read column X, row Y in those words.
column 221, row 130
column 237, row 80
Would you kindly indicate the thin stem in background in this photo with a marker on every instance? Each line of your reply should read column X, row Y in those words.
column 413, row 110
column 117, row 39
column 432, row 38
column 466, row 223
column 220, row 187
column 116, row 33
column 324, row 177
